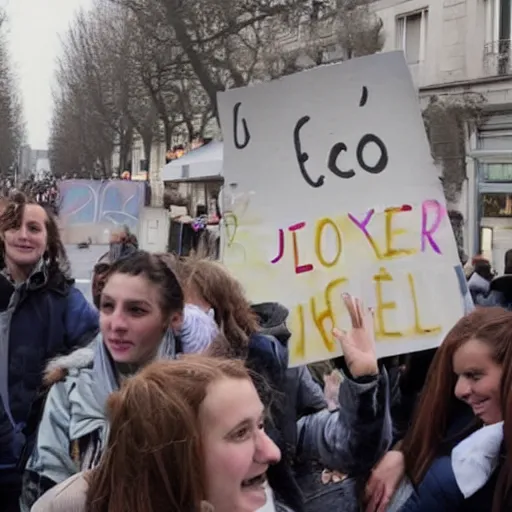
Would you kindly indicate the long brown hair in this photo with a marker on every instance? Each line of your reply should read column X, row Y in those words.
column 212, row 282
column 430, row 421
column 154, row 458
column 503, row 491
column 11, row 217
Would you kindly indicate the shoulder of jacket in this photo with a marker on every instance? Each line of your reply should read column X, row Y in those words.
column 59, row 368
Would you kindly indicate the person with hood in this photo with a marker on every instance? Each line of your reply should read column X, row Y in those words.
column 349, row 440
column 42, row 315
column 452, row 458
column 141, row 312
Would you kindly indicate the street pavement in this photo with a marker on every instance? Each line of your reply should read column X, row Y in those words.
column 82, row 262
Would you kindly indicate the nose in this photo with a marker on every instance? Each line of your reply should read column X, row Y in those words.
column 118, row 321
column 23, row 232
column 462, row 388
column 267, row 451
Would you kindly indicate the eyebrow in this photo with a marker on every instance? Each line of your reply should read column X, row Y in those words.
column 131, row 302
column 469, row 370
column 246, row 421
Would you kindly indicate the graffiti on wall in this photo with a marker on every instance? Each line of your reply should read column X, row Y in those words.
column 113, row 202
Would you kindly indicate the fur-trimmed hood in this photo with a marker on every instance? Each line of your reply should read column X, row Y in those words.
column 59, row 367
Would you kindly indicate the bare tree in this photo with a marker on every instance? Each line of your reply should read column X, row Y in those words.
column 12, row 128
column 155, row 66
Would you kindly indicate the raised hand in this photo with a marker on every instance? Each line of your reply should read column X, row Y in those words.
column 358, row 344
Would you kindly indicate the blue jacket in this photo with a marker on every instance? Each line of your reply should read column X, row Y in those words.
column 463, row 481
column 439, row 491
column 43, row 317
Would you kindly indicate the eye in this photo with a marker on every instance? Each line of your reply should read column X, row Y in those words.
column 106, row 307
column 136, row 311
column 241, row 434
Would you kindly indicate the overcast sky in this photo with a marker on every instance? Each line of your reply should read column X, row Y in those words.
column 33, row 33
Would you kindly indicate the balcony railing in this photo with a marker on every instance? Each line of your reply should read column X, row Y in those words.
column 498, row 58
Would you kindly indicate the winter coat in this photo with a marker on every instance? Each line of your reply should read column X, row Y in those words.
column 74, row 430
column 463, row 481
column 42, row 317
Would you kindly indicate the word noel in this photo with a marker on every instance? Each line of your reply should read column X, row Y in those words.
column 432, row 213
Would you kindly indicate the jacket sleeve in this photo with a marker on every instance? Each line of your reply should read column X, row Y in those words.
column 50, row 462
column 353, row 438
column 438, row 490
column 82, row 320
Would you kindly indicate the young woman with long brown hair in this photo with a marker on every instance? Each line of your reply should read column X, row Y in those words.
column 185, row 435
column 350, row 440
column 453, row 452
column 42, row 314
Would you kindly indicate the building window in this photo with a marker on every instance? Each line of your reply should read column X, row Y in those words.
column 496, row 205
column 498, row 173
column 497, row 20
column 498, row 15
column 412, row 35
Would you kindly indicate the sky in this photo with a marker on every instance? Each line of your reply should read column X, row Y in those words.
column 33, row 31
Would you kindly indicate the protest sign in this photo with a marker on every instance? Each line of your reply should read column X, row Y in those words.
column 330, row 188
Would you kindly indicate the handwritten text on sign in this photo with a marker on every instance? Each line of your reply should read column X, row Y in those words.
column 336, row 192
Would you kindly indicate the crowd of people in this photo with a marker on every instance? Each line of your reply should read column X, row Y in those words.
column 172, row 392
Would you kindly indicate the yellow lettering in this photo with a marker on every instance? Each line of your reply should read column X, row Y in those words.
column 391, row 233
column 382, row 306
column 326, row 314
column 321, row 225
column 418, row 329
column 299, row 350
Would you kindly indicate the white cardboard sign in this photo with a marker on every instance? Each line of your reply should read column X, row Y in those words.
column 331, row 188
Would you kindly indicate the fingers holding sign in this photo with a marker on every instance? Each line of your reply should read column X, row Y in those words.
column 358, row 343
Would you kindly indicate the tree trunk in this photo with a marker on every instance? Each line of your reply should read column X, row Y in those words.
column 201, row 70
column 147, row 142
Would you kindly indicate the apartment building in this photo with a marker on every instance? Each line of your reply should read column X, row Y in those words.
column 455, row 47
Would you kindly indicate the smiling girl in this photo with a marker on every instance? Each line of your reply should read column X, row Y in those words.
column 453, row 452
column 41, row 315
column 186, row 435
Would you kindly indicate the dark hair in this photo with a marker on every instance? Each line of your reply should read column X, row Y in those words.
column 424, row 440
column 154, row 459
column 142, row 263
column 483, row 269
column 55, row 255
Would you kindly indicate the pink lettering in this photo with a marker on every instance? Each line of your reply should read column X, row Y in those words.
column 299, row 269
column 281, row 248
column 427, row 232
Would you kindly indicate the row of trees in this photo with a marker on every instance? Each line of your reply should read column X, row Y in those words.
column 154, row 67
column 12, row 129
